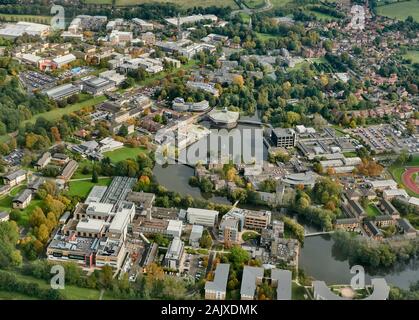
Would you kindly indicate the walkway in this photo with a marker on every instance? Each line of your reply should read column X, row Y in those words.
column 317, row 233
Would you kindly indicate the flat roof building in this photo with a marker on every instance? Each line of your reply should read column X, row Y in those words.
column 252, row 276
column 216, row 289
column 284, row 138
column 202, row 217
column 174, row 254
column 62, row 91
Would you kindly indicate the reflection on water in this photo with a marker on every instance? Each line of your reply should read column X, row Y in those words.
column 319, row 260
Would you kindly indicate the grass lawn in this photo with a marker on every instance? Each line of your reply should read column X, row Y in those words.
column 181, row 3
column 412, row 55
column 372, row 210
column 280, row 3
column 124, row 153
column 4, row 295
column 321, row 16
column 250, row 235
column 59, row 112
column 24, row 17
column 70, row 292
column 83, row 187
column 350, row 154
column 98, row 1
column 254, row 4
column 400, row 10
column 265, row 36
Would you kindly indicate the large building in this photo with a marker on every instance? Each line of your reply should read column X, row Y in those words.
column 174, row 254
column 252, row 277
column 97, row 86
column 11, row 31
column 14, row 178
column 216, row 289
column 284, row 138
column 202, row 217
column 62, row 91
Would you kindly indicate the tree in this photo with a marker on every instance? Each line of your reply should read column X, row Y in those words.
column 238, row 80
column 206, row 240
column 95, row 176
column 238, row 256
column 123, row 131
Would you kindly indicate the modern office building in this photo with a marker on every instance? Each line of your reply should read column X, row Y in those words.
column 174, row 254
column 202, row 217
column 284, row 138
column 216, row 289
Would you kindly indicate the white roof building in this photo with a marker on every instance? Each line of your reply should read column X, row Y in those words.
column 63, row 60
column 11, row 31
column 383, row 184
column 174, row 228
column 202, row 217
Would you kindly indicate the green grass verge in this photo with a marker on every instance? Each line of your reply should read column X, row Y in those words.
column 4, row 295
column 83, row 187
column 372, row 210
column 124, row 153
column 182, row 3
column 24, row 17
column 70, row 292
column 254, row 4
column 400, row 10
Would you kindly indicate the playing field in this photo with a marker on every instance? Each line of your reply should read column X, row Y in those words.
column 254, row 4
column 124, row 153
column 182, row 3
column 22, row 17
column 400, row 10
column 403, row 175
column 82, row 188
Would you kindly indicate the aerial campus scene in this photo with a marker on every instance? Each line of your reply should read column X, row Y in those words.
column 209, row 150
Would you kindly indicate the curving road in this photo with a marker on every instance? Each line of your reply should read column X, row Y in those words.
column 267, row 6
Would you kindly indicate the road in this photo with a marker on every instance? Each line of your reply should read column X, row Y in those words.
column 244, row 9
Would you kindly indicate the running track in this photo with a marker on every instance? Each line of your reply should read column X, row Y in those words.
column 407, row 179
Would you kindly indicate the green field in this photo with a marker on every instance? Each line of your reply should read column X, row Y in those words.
column 265, row 36
column 254, row 4
column 23, row 17
column 400, row 10
column 182, row 3
column 4, row 295
column 124, row 153
column 372, row 210
column 321, row 16
column 412, row 55
column 70, row 292
column 280, row 3
column 82, row 188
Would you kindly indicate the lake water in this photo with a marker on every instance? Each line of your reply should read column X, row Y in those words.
column 318, row 260
column 316, row 257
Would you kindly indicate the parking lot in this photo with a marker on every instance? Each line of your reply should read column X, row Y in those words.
column 37, row 81
column 193, row 265
column 386, row 138
column 14, row 158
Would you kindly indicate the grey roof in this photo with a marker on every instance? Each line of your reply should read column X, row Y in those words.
column 284, row 278
column 389, row 207
column 405, row 224
column 23, row 196
column 13, row 175
column 250, row 274
column 357, row 207
column 373, row 228
column 220, row 278
column 346, row 221
column 3, row 214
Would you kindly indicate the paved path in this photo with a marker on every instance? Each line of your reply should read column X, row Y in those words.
column 407, row 179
